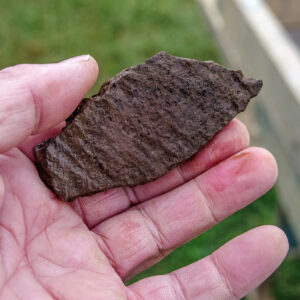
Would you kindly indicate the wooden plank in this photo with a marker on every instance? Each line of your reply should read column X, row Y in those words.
column 288, row 184
column 288, row 11
column 253, row 40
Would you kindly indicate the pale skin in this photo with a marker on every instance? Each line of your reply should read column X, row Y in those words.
column 87, row 250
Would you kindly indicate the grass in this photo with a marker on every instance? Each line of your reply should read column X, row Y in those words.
column 117, row 33
column 285, row 281
column 120, row 34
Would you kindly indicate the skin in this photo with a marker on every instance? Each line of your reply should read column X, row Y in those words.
column 53, row 250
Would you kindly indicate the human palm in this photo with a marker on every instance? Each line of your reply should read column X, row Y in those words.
column 88, row 249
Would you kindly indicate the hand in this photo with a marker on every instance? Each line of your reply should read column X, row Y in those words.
column 86, row 250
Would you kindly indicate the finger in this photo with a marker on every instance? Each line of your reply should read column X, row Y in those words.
column 230, row 273
column 27, row 146
column 233, row 138
column 141, row 236
column 34, row 98
column 2, row 191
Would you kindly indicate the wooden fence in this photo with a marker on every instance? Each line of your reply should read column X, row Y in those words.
column 253, row 39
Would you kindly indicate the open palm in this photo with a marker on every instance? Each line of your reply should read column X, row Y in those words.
column 87, row 250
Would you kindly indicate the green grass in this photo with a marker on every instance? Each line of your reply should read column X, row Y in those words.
column 286, row 281
column 117, row 33
column 121, row 33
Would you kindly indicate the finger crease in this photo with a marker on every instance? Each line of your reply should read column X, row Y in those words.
column 181, row 174
column 177, row 286
column 106, row 249
column 207, row 202
column 223, row 276
column 154, row 231
column 35, row 100
column 131, row 195
column 82, row 212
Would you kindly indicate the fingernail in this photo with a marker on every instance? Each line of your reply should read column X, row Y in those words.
column 78, row 59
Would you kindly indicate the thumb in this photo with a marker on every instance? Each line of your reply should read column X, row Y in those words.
column 34, row 98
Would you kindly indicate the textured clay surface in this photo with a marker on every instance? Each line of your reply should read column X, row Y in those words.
column 145, row 121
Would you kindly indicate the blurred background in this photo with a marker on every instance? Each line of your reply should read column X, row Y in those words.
column 259, row 37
